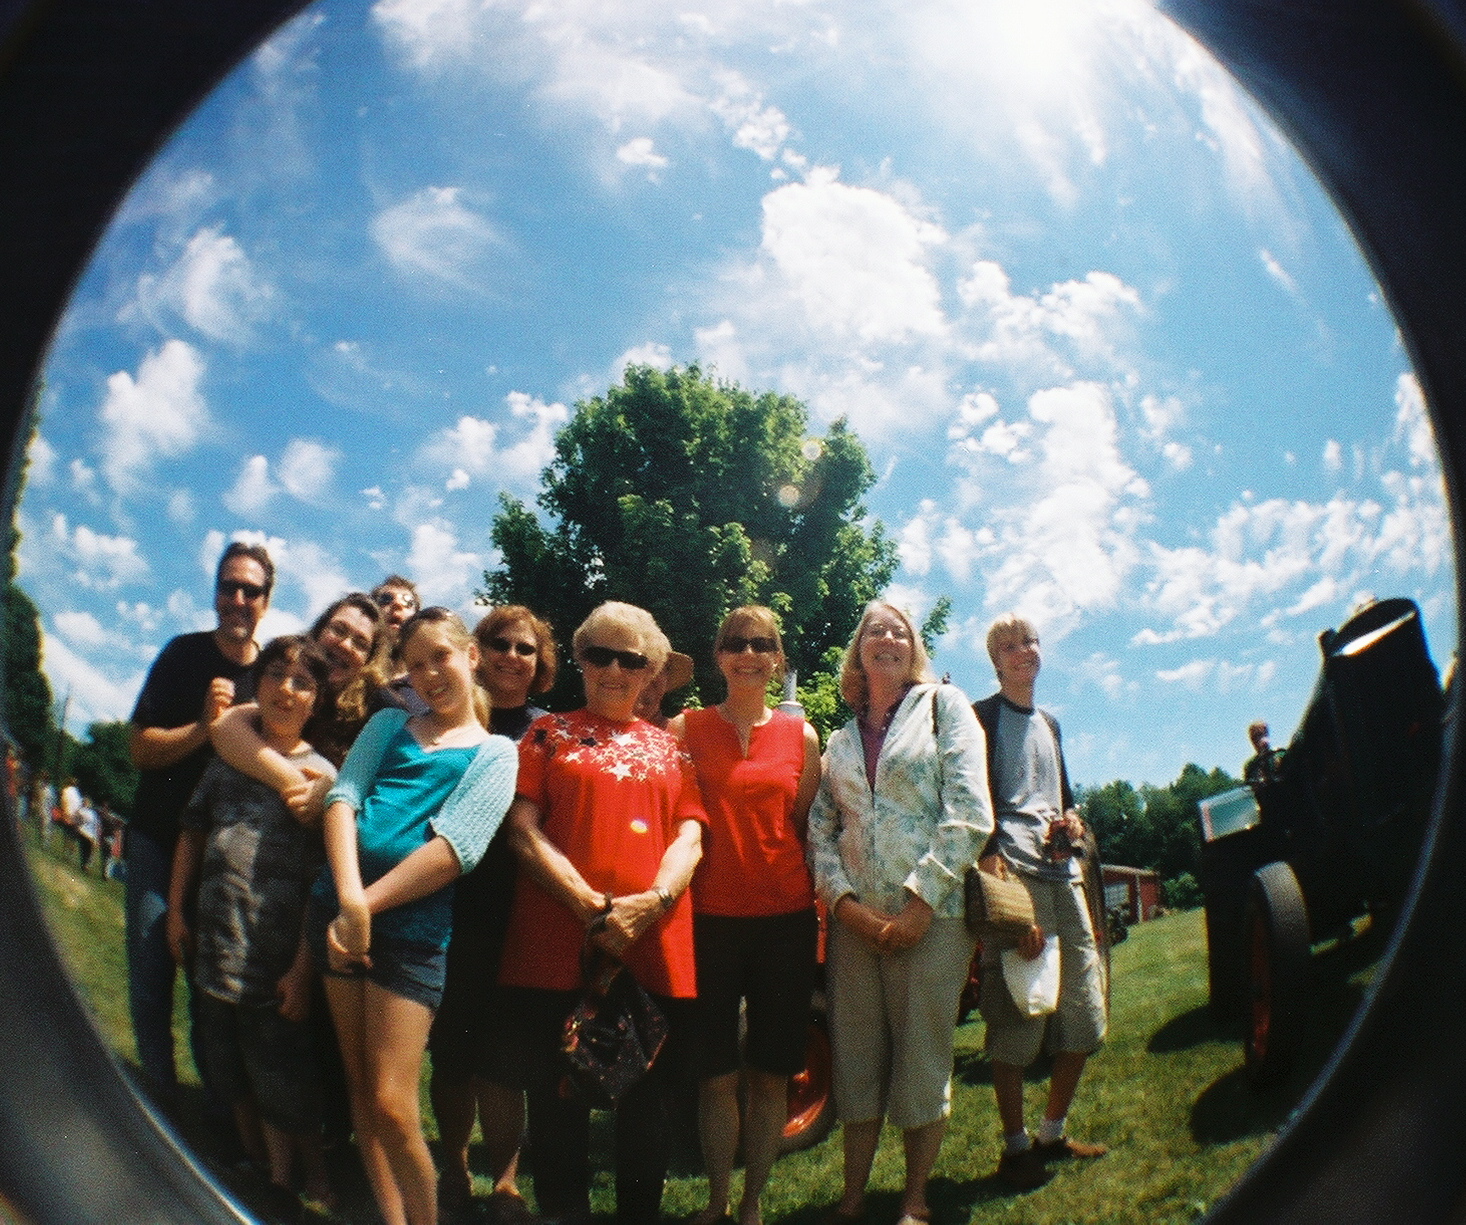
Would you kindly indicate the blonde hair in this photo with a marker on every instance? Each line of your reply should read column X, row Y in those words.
column 853, row 686
column 1006, row 628
column 457, row 634
column 614, row 614
column 763, row 622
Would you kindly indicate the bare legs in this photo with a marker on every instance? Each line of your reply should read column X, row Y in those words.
column 500, row 1114
column 1063, row 1083
column 719, row 1125
column 501, row 1120
column 383, row 1037
column 922, row 1145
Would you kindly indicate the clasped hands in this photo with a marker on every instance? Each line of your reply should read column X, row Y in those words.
column 349, row 937
column 884, row 932
column 617, row 929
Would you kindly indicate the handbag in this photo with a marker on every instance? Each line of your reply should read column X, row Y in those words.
column 999, row 909
column 613, row 1034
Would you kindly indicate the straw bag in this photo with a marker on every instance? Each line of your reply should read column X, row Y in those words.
column 999, row 909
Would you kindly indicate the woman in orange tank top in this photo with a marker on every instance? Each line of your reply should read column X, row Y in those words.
column 753, row 902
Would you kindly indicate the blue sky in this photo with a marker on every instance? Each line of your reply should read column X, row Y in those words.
column 1117, row 360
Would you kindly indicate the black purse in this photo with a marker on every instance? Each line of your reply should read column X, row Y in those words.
column 613, row 1034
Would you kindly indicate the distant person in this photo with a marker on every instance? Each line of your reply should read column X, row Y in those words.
column 1037, row 830
column 68, row 809
column 192, row 682
column 43, row 805
column 88, row 830
column 251, row 864
column 471, row 1076
column 397, row 600
column 1259, row 768
column 415, row 805
column 755, row 932
column 901, row 813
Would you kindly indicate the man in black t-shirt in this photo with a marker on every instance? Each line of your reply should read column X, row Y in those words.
column 193, row 680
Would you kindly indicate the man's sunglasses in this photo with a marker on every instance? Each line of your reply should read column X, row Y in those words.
column 736, row 644
column 229, row 588
column 604, row 657
column 504, row 646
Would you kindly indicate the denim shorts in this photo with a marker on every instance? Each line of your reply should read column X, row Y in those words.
column 250, row 1050
column 403, row 967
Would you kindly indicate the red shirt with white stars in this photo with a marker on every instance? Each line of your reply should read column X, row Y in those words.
column 612, row 797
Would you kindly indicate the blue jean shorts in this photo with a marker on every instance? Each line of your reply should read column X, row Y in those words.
column 403, row 967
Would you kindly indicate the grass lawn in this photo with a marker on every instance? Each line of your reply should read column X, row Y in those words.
column 1166, row 1094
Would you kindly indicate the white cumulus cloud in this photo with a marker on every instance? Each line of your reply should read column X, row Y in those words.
column 641, row 151
column 307, row 468
column 158, row 414
column 854, row 259
column 213, row 286
column 102, row 562
column 475, row 448
column 433, row 234
column 252, row 489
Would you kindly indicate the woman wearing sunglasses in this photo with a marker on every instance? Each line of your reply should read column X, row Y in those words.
column 755, row 928
column 516, row 660
column 607, row 823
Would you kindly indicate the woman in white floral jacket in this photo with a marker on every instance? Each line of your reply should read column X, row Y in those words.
column 903, row 809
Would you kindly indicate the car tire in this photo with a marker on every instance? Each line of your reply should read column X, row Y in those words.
column 1277, row 950
column 811, row 1090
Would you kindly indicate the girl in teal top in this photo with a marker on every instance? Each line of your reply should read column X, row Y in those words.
column 417, row 801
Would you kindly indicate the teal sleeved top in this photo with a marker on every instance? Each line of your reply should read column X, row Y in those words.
column 404, row 796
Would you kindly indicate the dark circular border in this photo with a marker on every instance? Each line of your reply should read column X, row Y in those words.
column 1374, row 94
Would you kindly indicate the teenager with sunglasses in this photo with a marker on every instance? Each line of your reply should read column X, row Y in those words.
column 755, row 928
column 607, row 823
column 516, row 660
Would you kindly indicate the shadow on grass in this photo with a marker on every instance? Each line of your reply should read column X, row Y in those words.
column 1230, row 1108
column 950, row 1199
column 971, row 1067
column 1190, row 1029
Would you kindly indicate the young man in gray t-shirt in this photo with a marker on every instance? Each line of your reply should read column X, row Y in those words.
column 1037, row 830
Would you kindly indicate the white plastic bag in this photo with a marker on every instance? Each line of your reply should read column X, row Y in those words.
column 1034, row 985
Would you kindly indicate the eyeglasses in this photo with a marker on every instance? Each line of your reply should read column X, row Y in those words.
column 736, row 644
column 604, row 657
column 301, row 682
column 883, row 629
column 229, row 588
column 504, row 646
column 394, row 599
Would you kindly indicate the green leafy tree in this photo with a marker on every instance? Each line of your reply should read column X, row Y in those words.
column 691, row 496
column 1154, row 827
column 25, row 693
column 103, row 766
